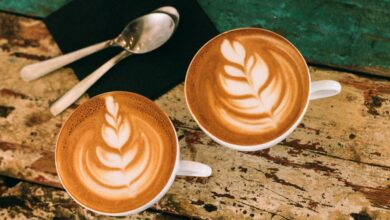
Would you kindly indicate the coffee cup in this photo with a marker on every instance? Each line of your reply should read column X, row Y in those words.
column 249, row 88
column 118, row 154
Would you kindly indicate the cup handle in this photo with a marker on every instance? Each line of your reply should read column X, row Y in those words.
column 191, row 168
column 324, row 88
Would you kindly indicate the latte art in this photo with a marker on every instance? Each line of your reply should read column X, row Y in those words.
column 116, row 152
column 121, row 166
column 251, row 98
column 115, row 132
column 247, row 86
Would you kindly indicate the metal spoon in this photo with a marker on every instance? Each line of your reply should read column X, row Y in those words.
column 126, row 39
column 140, row 36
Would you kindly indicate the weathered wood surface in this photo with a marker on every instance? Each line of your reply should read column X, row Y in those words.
column 41, row 8
column 335, row 165
column 23, row 200
column 348, row 34
column 24, row 116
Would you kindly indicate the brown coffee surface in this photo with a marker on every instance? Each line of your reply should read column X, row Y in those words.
column 247, row 86
column 116, row 152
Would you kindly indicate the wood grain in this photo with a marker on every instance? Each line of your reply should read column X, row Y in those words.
column 336, row 165
column 23, row 200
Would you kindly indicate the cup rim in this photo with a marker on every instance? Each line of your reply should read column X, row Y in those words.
column 164, row 190
column 254, row 147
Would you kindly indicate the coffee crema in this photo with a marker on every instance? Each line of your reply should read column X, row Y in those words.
column 116, row 152
column 247, row 86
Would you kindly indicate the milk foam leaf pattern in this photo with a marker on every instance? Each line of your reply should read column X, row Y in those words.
column 118, row 155
column 259, row 75
column 249, row 63
column 121, row 168
column 235, row 52
column 111, row 106
column 112, row 160
column 115, row 160
column 125, row 156
column 247, row 81
column 116, row 134
column 233, row 71
column 121, row 161
column 110, row 120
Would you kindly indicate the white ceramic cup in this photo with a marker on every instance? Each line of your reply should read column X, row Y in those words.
column 181, row 168
column 317, row 90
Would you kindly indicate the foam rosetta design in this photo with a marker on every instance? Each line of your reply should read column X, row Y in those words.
column 116, row 132
column 251, row 98
column 120, row 165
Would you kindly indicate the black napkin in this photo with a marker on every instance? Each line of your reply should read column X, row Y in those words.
column 84, row 22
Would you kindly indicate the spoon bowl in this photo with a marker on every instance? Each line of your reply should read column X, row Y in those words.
column 146, row 33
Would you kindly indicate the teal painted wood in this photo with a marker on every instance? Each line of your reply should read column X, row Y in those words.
column 34, row 8
column 349, row 34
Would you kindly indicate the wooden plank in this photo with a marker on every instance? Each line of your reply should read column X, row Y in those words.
column 335, row 165
column 22, row 200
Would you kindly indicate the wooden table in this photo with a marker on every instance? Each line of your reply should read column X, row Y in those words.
column 336, row 164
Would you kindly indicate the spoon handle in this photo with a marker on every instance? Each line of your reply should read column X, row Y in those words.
column 79, row 89
column 36, row 70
